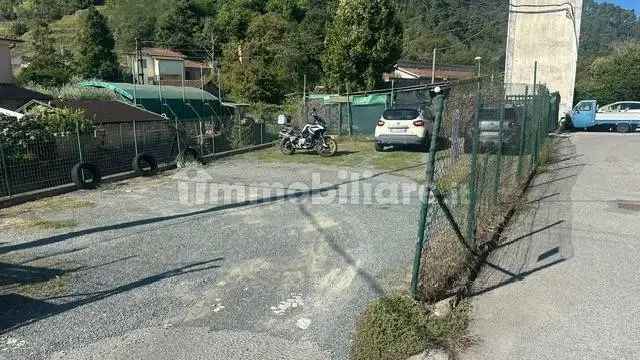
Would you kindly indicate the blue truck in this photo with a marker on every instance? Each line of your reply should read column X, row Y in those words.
column 623, row 116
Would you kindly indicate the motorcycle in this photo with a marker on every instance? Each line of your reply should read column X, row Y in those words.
column 312, row 137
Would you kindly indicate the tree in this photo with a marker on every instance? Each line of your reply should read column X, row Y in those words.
column 613, row 77
column 35, row 11
column 235, row 15
column 45, row 67
column 96, row 57
column 177, row 27
column 364, row 41
column 265, row 66
column 133, row 19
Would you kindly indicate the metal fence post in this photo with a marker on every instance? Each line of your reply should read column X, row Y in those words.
column 178, row 136
column 498, row 179
column 424, row 207
column 79, row 141
column 523, row 133
column 473, row 174
column 340, row 119
column 135, row 138
column 350, row 112
column 536, row 109
column 262, row 132
column 5, row 169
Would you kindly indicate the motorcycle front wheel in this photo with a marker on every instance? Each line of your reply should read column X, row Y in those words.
column 286, row 147
column 330, row 149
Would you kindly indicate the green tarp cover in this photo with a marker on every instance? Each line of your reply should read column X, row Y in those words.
column 377, row 99
column 176, row 102
column 380, row 99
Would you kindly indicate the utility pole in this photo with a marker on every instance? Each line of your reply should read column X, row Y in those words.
column 139, row 67
column 433, row 66
column 478, row 59
column 216, row 66
column 304, row 98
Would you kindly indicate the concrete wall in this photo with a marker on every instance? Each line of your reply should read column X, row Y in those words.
column 6, row 70
column 548, row 32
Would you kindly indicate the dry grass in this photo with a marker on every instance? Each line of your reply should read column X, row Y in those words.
column 36, row 215
column 356, row 153
column 51, row 204
column 26, row 223
column 445, row 262
column 395, row 328
column 56, row 286
column 455, row 175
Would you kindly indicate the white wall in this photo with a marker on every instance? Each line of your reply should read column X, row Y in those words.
column 6, row 70
column 548, row 34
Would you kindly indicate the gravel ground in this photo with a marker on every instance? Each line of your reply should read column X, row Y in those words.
column 153, row 269
column 565, row 283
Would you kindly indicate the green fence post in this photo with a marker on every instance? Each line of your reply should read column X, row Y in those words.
column 424, row 207
column 523, row 133
column 350, row 123
column 536, row 110
column 340, row 118
column 498, row 179
column 473, row 174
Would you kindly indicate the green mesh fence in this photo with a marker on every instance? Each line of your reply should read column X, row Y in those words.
column 488, row 145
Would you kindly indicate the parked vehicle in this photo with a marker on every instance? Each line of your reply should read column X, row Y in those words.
column 489, row 127
column 402, row 127
column 312, row 137
column 586, row 115
column 632, row 106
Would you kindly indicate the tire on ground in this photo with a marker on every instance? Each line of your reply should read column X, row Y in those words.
column 145, row 164
column 623, row 128
column 86, row 175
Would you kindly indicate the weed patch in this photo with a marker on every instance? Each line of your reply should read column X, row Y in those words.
column 395, row 328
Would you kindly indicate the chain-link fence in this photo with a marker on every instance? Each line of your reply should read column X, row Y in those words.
column 112, row 147
column 357, row 114
column 490, row 139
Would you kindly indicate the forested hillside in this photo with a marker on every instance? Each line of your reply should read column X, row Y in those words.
column 266, row 47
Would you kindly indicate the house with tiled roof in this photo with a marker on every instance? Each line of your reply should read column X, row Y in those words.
column 153, row 66
column 11, row 95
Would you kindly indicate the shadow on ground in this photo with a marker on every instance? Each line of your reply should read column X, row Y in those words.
column 288, row 194
column 18, row 310
column 536, row 238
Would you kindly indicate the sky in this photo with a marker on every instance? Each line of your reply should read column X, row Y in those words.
column 627, row 4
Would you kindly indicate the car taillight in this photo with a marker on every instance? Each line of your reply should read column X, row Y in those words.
column 418, row 123
column 380, row 123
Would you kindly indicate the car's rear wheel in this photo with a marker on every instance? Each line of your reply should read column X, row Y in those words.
column 623, row 128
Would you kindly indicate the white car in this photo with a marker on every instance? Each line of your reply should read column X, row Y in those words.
column 621, row 106
column 402, row 127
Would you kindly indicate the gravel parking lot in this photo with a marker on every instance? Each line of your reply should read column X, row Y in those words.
column 242, row 259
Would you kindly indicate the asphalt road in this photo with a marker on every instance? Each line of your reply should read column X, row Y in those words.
column 159, row 269
column 565, row 283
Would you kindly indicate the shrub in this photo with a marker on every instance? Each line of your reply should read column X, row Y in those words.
column 393, row 328
column 33, row 136
column 60, row 120
column 75, row 92
column 396, row 328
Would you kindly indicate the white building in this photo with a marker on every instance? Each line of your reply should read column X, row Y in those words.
column 6, row 69
column 547, row 33
column 166, row 66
